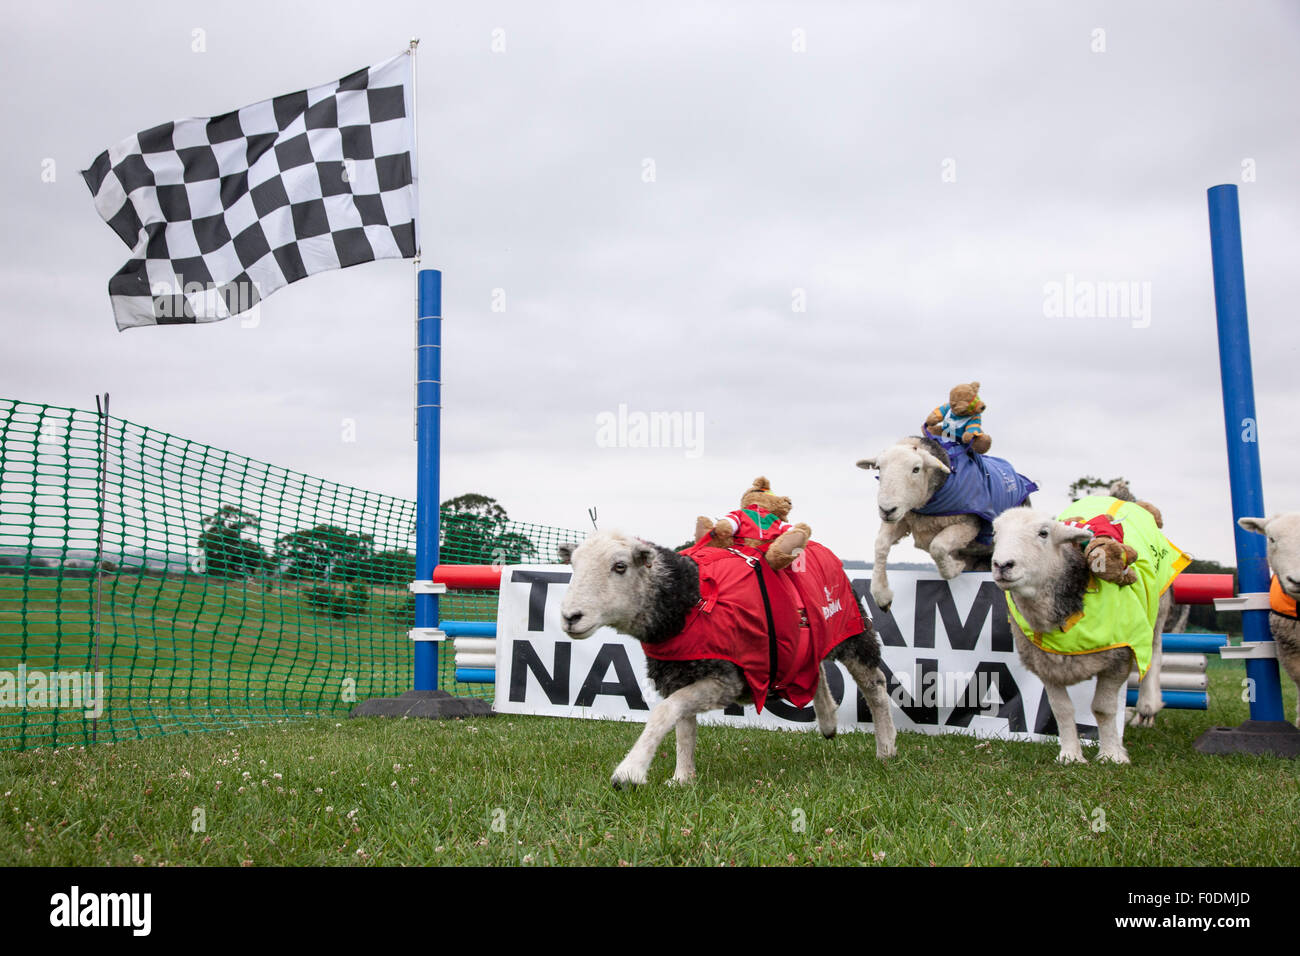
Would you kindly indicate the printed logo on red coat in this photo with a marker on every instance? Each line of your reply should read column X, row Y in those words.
column 832, row 607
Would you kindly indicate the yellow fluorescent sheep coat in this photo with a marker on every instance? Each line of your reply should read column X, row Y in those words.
column 1115, row 615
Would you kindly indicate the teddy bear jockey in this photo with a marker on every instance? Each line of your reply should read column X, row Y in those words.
column 1108, row 557
column 758, row 523
column 959, row 420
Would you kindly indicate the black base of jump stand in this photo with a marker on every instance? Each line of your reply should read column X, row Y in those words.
column 1276, row 737
column 435, row 704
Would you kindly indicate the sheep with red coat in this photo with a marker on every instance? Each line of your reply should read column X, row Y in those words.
column 720, row 626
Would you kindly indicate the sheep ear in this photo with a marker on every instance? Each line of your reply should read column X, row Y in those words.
column 930, row 459
column 643, row 555
column 1257, row 525
column 565, row 552
column 868, row 463
column 1071, row 534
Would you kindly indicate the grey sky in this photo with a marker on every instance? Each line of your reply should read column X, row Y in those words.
column 775, row 171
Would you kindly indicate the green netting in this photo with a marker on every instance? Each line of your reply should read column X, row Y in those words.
column 230, row 592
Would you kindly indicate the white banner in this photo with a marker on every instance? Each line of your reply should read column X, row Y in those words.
column 947, row 652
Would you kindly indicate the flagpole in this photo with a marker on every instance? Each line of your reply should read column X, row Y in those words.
column 415, row 142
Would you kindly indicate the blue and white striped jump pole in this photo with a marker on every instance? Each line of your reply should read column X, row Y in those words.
column 428, row 424
column 1242, row 433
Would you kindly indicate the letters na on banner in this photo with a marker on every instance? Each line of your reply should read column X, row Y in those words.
column 947, row 649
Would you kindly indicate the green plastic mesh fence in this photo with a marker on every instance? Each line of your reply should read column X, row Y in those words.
column 227, row 592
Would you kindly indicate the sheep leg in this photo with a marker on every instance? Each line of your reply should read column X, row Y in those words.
column 703, row 695
column 1150, row 700
column 946, row 547
column 824, row 705
column 1105, row 703
column 889, row 535
column 871, row 681
column 1058, row 698
column 684, row 772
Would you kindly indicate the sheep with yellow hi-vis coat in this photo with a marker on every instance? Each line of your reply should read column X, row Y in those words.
column 1070, row 625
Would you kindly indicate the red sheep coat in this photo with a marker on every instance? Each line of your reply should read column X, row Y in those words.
column 814, row 609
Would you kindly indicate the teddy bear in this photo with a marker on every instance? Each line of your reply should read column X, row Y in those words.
column 760, row 523
column 959, row 419
column 1106, row 554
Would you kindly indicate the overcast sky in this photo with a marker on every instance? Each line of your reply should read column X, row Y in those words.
column 915, row 176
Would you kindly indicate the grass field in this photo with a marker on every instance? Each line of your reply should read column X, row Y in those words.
column 180, row 653
column 534, row 791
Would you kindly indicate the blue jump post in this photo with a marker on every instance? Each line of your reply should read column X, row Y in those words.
column 428, row 424
column 1267, row 731
column 426, row 699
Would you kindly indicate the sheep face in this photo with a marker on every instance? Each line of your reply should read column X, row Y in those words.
column 1029, row 551
column 1283, row 534
column 909, row 476
column 610, row 584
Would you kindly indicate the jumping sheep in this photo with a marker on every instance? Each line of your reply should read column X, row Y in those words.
column 1283, row 534
column 651, row 593
column 913, row 473
column 1098, row 628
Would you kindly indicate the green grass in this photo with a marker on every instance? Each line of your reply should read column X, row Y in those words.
column 428, row 792
column 180, row 653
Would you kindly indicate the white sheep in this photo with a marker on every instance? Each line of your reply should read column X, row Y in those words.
column 647, row 592
column 1283, row 534
column 912, row 472
column 1039, row 563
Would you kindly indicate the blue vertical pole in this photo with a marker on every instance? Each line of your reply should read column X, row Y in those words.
column 1242, row 432
column 428, row 421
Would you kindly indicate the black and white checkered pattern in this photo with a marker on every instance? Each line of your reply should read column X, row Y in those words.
column 221, row 212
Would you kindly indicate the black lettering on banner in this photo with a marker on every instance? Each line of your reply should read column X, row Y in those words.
column 1045, row 722
column 927, row 669
column 805, row 714
column 1012, row 708
column 624, row 685
column 523, row 658
column 962, row 635
column 540, row 581
column 882, row 621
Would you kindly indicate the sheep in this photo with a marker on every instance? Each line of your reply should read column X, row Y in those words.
column 647, row 592
column 1283, row 534
column 1039, row 563
column 912, row 472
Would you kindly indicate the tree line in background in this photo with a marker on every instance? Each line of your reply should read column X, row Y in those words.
column 344, row 565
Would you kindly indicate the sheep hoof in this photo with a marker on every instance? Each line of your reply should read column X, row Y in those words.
column 949, row 569
column 1143, row 718
column 627, row 778
column 883, row 598
column 1117, row 757
column 1064, row 757
column 675, row 781
column 885, row 751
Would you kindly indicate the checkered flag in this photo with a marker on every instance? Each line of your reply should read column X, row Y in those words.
column 221, row 212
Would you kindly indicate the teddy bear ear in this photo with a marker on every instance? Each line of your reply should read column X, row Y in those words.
column 761, row 484
column 975, row 386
